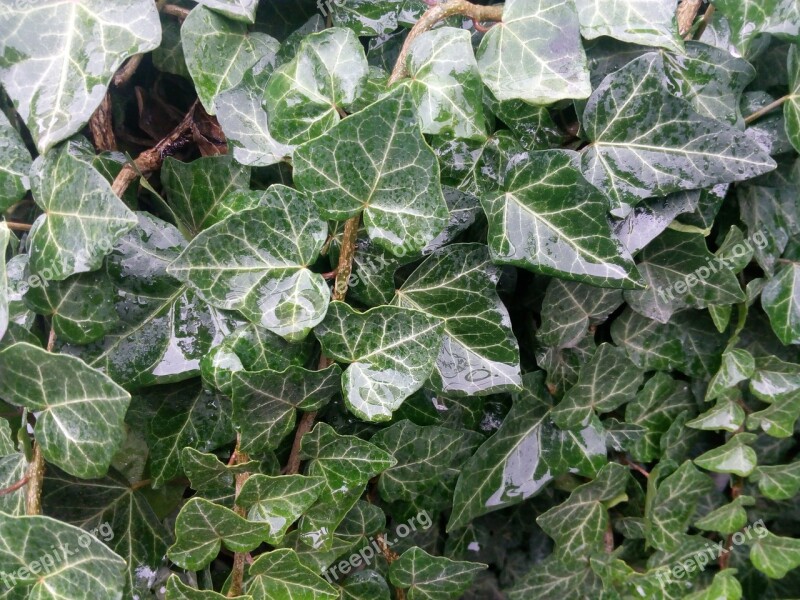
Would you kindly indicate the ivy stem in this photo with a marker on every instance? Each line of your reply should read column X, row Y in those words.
column 240, row 558
column 13, row 488
column 176, row 11
column 436, row 13
column 686, row 14
column 14, row 226
column 35, row 471
column 766, row 109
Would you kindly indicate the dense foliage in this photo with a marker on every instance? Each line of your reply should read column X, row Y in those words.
column 399, row 299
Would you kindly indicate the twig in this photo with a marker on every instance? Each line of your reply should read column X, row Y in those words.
column 635, row 466
column 687, row 12
column 608, row 539
column 140, row 484
column 102, row 126
column 13, row 488
column 151, row 160
column 435, row 14
column 176, row 11
column 14, row 226
column 240, row 558
column 35, row 470
column 704, row 22
column 766, row 109
column 127, row 70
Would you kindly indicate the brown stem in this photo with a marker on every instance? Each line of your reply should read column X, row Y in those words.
column 14, row 226
column 608, row 539
column 13, row 488
column 635, row 466
column 125, row 73
column 102, row 126
column 435, row 14
column 766, row 109
column 140, row 484
column 151, row 160
column 704, row 21
column 176, row 11
column 240, row 558
column 35, row 479
column 687, row 12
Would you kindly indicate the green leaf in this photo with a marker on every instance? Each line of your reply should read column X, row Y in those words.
column 15, row 165
column 749, row 19
column 85, row 567
column 523, row 455
column 304, row 96
column 195, row 190
column 737, row 365
column 280, row 574
column 365, row 585
column 239, row 10
column 428, row 577
column 680, row 272
column 725, row 416
column 775, row 555
column 211, row 478
column 518, row 61
column 183, row 414
column 480, row 354
column 5, row 236
column 774, row 379
column 729, row 518
column 12, row 469
column 553, row 578
column 548, row 218
column 58, row 58
column 672, row 505
column 643, row 22
column 219, row 51
column 734, row 456
column 391, row 352
column 246, row 123
column 278, row 501
column 650, row 218
column 265, row 403
column 365, row 17
column 346, row 463
column 778, row 419
column 251, row 263
column 87, row 401
column 781, row 301
column 791, row 108
column 83, row 218
column 81, row 308
column 117, row 515
column 177, row 590
column 446, row 84
column 724, row 585
column 202, row 527
column 646, row 142
column 579, row 524
column 779, row 482
column 608, row 381
column 383, row 145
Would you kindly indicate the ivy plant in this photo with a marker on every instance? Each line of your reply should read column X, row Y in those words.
column 399, row 299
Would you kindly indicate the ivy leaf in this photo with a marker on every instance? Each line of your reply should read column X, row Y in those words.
column 346, row 463
column 177, row 590
column 778, row 482
column 202, row 527
column 239, row 10
column 552, row 577
column 15, row 165
column 280, row 574
column 673, row 504
column 729, row 518
column 86, row 567
column 327, row 75
column 480, row 354
column 749, row 19
column 548, row 218
column 392, row 352
column 195, row 190
column 121, row 517
column 5, row 236
column 781, row 301
column 517, row 60
column 646, row 142
column 278, row 501
column 235, row 266
column 83, row 218
column 774, row 379
column 365, row 585
column 428, row 577
column 183, row 415
column 791, row 108
column 446, row 84
column 246, row 123
column 570, row 308
column 55, row 77
column 726, row 416
column 522, row 456
column 12, row 469
column 737, row 365
column 211, row 478
column 82, row 308
column 265, row 402
column 579, row 524
column 775, row 555
column 643, row 22
column 384, row 146
column 734, row 456
column 219, row 51
column 604, row 384
column 80, row 425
